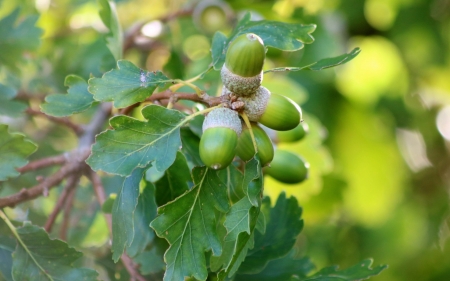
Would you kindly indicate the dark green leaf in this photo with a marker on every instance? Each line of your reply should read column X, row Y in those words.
column 17, row 37
column 8, row 106
column 233, row 178
column 144, row 214
column 14, row 149
column 114, row 41
column 135, row 143
column 189, row 225
column 239, row 219
column 40, row 258
column 5, row 263
column 126, row 85
column 360, row 271
column 323, row 63
column 123, row 213
column 280, row 35
column 152, row 261
column 196, row 125
column 281, row 270
column 190, row 147
column 175, row 182
column 253, row 181
column 76, row 100
column 284, row 225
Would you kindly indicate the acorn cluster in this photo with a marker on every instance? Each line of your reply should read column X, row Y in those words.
column 225, row 135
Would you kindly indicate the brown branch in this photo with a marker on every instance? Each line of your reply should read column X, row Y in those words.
column 78, row 130
column 43, row 163
column 66, row 218
column 71, row 183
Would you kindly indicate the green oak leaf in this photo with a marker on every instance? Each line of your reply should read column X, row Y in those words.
column 283, row 269
column 14, row 149
column 114, row 39
column 133, row 143
column 252, row 184
column 126, row 85
column 175, row 182
column 143, row 215
column 8, row 106
column 284, row 225
column 189, row 225
column 76, row 100
column 123, row 213
column 17, row 37
column 360, row 271
column 279, row 35
column 6, row 251
column 321, row 64
column 233, row 178
column 190, row 147
column 152, row 261
column 37, row 257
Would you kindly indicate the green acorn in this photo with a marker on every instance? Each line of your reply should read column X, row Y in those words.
column 212, row 15
column 245, row 149
column 221, row 130
column 288, row 167
column 281, row 113
column 242, row 71
column 296, row 134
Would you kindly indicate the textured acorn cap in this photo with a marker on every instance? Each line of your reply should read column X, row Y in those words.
column 223, row 117
column 255, row 105
column 241, row 86
column 245, row 55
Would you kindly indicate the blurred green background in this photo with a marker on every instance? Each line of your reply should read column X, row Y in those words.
column 379, row 125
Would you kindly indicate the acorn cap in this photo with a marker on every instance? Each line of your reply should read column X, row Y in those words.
column 241, row 86
column 255, row 105
column 245, row 149
column 245, row 55
column 218, row 147
column 288, row 167
column 223, row 117
column 281, row 113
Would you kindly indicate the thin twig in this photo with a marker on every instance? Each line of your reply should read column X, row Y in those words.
column 43, row 163
column 71, row 183
column 78, row 130
column 66, row 218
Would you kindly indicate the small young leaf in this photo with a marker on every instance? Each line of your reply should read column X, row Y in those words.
column 40, row 258
column 14, row 148
column 280, row 35
column 189, row 225
column 123, row 213
column 114, row 39
column 8, row 106
column 126, row 85
column 76, row 100
column 17, row 38
column 135, row 143
column 175, row 182
column 283, row 227
column 360, row 271
column 321, row 64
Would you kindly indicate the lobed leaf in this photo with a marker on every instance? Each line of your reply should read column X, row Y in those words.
column 8, row 106
column 133, row 143
column 126, row 85
column 40, row 258
column 77, row 99
column 360, row 271
column 279, row 35
column 14, row 149
column 321, row 64
column 189, row 225
column 114, row 39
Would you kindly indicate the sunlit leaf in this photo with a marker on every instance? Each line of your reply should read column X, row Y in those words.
column 126, row 85
column 189, row 225
column 40, row 258
column 280, row 35
column 133, row 143
column 14, row 149
column 322, row 64
column 76, row 100
column 360, row 271
column 114, row 41
column 8, row 106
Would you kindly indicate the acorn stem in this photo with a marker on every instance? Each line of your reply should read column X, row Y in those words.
column 181, row 83
column 249, row 126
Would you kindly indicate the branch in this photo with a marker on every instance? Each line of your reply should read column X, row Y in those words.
column 43, row 163
column 66, row 219
column 62, row 121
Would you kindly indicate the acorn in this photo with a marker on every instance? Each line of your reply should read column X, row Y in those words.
column 255, row 105
column 281, row 113
column 242, row 72
column 245, row 149
column 212, row 15
column 288, row 167
column 221, row 130
column 296, row 134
